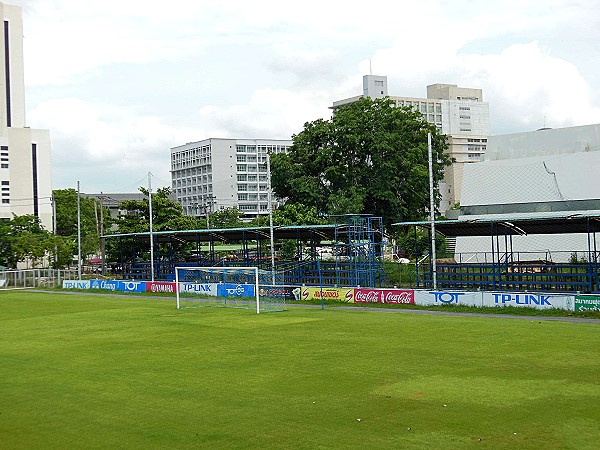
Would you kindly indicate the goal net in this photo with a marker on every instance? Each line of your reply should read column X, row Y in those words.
column 234, row 287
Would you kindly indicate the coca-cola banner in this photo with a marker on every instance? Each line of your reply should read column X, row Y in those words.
column 316, row 293
column 394, row 296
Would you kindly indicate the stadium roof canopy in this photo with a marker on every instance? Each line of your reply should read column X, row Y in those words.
column 522, row 224
column 304, row 232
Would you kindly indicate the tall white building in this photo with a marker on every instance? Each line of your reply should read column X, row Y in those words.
column 460, row 113
column 25, row 166
column 224, row 173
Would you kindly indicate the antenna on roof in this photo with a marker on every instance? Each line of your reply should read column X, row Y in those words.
column 370, row 68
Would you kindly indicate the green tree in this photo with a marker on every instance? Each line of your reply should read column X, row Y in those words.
column 297, row 214
column 90, row 218
column 226, row 218
column 371, row 157
column 23, row 239
column 167, row 215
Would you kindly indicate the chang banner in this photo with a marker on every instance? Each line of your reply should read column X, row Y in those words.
column 428, row 298
column 587, row 303
column 108, row 285
column 394, row 296
column 341, row 294
column 527, row 300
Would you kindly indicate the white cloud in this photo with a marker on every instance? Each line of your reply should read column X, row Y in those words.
column 530, row 88
column 121, row 82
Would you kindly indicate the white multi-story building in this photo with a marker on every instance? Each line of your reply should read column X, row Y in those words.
column 224, row 173
column 25, row 166
column 459, row 113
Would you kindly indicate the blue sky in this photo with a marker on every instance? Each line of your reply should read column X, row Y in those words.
column 119, row 83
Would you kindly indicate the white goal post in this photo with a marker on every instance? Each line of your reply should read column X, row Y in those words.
column 236, row 287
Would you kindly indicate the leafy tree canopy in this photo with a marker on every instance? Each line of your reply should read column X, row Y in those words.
column 297, row 214
column 370, row 158
column 23, row 239
column 226, row 218
column 167, row 214
column 94, row 217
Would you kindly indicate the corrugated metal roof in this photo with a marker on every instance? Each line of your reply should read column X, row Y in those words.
column 303, row 232
column 522, row 224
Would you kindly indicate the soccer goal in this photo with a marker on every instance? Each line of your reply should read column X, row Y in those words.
column 233, row 287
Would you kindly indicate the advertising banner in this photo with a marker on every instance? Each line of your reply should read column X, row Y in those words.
column 537, row 300
column 132, row 286
column 447, row 298
column 76, row 284
column 587, row 303
column 194, row 288
column 109, row 285
column 160, row 286
column 235, row 290
column 284, row 292
column 341, row 294
column 395, row 296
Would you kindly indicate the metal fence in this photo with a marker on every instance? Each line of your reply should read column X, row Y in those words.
column 33, row 278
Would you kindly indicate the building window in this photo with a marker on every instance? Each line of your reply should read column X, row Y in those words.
column 378, row 82
column 3, row 166
column 5, row 200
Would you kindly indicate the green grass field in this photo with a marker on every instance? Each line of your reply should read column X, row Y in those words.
column 81, row 371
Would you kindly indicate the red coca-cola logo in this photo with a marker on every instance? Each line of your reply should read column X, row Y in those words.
column 395, row 296
column 367, row 296
column 399, row 297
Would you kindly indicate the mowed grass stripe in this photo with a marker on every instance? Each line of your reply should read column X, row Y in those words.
column 102, row 372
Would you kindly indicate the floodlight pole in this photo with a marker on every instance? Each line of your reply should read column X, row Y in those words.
column 53, row 200
column 270, row 199
column 78, row 233
column 432, row 213
column 150, row 218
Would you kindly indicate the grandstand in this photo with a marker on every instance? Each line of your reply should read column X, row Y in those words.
column 531, row 252
column 355, row 242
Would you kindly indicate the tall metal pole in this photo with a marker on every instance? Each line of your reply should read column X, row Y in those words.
column 102, row 241
column 151, row 231
column 432, row 212
column 270, row 199
column 207, row 214
column 78, row 233
column 54, row 230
